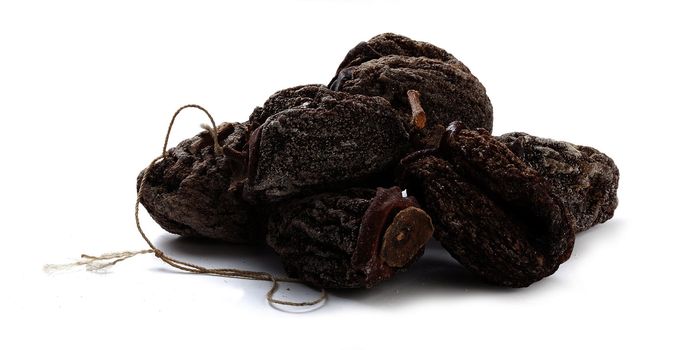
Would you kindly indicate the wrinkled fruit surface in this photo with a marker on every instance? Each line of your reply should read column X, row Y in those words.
column 194, row 192
column 389, row 65
column 349, row 239
column 492, row 212
column 585, row 179
column 320, row 140
column 390, row 44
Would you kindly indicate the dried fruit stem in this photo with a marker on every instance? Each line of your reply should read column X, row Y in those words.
column 410, row 230
column 418, row 116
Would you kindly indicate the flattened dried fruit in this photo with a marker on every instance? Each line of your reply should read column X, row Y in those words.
column 388, row 44
column 331, row 140
column 492, row 212
column 392, row 65
column 447, row 92
column 584, row 178
column 350, row 239
column 194, row 192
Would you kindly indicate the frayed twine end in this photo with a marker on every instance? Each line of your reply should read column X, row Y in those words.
column 96, row 263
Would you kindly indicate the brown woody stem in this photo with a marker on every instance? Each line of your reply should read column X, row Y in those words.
column 418, row 116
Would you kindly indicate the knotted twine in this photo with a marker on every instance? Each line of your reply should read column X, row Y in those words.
column 96, row 263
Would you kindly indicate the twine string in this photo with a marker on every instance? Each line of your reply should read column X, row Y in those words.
column 193, row 268
column 95, row 263
column 212, row 130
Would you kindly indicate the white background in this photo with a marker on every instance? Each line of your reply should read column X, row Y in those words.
column 87, row 91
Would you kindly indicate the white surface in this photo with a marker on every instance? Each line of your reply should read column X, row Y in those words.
column 87, row 91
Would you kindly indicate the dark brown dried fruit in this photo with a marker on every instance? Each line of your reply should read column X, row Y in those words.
column 311, row 139
column 392, row 65
column 295, row 97
column 492, row 212
column 389, row 44
column 584, row 178
column 194, row 192
column 350, row 239
column 505, row 207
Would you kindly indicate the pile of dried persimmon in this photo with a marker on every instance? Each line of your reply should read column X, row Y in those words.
column 348, row 182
